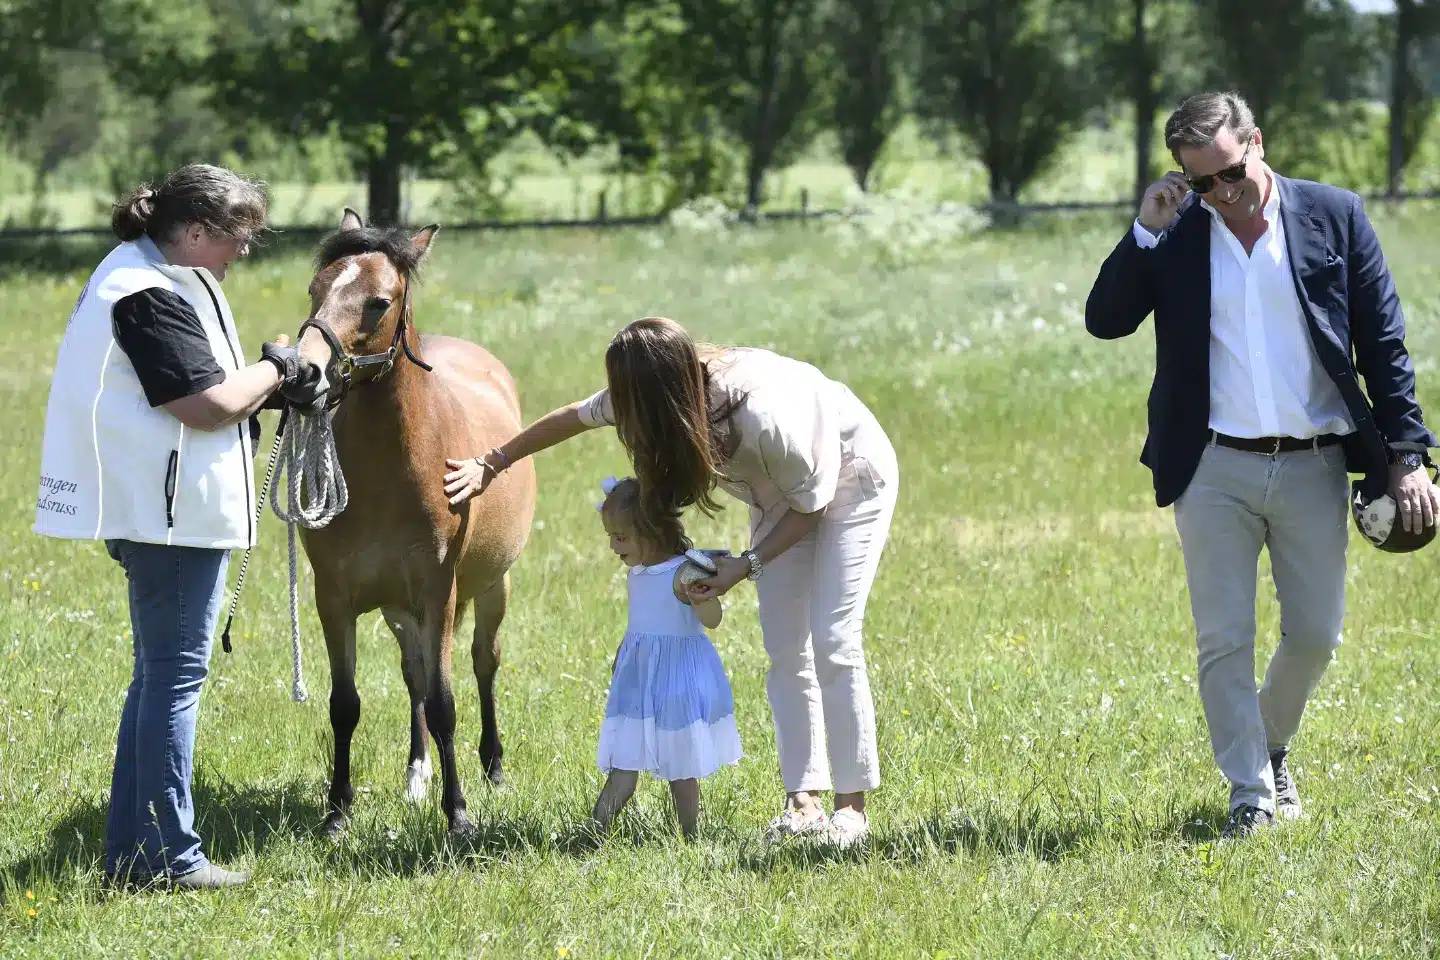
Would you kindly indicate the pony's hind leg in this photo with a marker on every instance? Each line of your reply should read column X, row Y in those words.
column 339, row 627
column 412, row 666
column 485, row 653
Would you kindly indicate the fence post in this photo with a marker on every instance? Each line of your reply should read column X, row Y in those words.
column 601, row 216
column 804, row 204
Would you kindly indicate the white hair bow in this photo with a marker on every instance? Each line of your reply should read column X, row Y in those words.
column 608, row 484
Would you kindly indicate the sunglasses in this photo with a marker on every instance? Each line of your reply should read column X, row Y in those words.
column 1233, row 174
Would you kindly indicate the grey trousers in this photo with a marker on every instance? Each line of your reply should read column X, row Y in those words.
column 1296, row 504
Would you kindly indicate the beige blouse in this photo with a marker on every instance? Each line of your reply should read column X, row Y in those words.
column 804, row 441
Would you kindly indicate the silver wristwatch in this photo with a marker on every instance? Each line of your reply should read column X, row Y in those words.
column 754, row 561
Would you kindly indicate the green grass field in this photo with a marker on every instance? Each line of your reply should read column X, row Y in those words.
column 1049, row 788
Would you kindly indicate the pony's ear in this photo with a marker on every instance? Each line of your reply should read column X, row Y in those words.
column 421, row 240
column 351, row 220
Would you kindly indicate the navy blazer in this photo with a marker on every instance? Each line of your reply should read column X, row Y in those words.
column 1350, row 306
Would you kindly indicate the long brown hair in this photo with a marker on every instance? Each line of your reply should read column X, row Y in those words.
column 662, row 529
column 660, row 392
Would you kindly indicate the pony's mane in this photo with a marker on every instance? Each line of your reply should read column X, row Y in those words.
column 394, row 242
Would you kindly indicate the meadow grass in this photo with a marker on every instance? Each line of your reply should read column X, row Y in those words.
column 1048, row 783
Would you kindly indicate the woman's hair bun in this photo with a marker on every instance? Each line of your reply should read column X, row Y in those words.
column 130, row 217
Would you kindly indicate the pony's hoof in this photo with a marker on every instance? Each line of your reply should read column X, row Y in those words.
column 334, row 825
column 461, row 828
column 495, row 774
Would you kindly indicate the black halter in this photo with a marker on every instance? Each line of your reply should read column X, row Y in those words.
column 347, row 365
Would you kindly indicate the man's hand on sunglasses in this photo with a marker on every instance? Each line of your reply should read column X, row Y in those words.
column 1162, row 200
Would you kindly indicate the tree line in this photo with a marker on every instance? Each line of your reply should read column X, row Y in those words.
column 707, row 96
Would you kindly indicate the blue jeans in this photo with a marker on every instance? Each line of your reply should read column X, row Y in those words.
column 175, row 597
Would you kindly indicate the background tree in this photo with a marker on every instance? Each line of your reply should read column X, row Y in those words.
column 31, row 33
column 1147, row 54
column 756, row 67
column 402, row 80
column 1006, row 74
column 868, row 39
column 1412, row 102
column 1318, row 63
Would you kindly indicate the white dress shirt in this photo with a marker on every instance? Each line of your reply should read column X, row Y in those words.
column 1265, row 378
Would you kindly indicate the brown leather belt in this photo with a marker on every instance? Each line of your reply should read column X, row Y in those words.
column 1273, row 445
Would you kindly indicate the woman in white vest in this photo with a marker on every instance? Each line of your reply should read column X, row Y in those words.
column 148, row 446
column 820, row 478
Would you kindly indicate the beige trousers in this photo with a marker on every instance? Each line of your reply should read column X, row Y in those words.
column 1296, row 506
column 812, row 606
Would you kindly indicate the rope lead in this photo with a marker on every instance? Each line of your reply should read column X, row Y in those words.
column 316, row 495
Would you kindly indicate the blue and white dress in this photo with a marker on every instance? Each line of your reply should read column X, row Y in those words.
column 670, row 711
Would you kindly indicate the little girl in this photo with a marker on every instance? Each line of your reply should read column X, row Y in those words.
column 670, row 710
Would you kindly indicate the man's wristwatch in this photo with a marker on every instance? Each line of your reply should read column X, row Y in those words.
column 1413, row 461
column 754, row 561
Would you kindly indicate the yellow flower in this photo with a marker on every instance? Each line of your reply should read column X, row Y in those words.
column 29, row 894
column 562, row 951
column 904, row 713
column 30, row 912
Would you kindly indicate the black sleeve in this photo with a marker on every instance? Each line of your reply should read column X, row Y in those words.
column 166, row 344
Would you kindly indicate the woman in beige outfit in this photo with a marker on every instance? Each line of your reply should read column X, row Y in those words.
column 820, row 478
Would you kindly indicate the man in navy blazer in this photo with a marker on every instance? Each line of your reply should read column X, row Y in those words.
column 1263, row 288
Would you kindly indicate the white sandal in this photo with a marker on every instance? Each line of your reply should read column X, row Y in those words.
column 847, row 828
column 792, row 823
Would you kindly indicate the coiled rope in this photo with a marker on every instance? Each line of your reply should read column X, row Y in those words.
column 316, row 494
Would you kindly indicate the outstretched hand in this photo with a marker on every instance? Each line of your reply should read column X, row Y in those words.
column 467, row 478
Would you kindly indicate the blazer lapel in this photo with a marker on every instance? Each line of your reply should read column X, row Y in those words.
column 1194, row 237
column 1305, row 247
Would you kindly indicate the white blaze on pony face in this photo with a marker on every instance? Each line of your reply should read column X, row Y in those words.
column 325, row 308
column 349, row 275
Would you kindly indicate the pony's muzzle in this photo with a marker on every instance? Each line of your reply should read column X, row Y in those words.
column 316, row 350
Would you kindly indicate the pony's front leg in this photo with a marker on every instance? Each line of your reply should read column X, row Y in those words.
column 412, row 666
column 439, row 628
column 339, row 626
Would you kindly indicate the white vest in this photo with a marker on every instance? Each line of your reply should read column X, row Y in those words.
column 112, row 466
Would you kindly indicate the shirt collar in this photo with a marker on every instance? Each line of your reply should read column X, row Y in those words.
column 149, row 250
column 1270, row 211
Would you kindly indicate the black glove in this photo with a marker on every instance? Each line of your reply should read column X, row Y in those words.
column 285, row 358
column 304, row 390
column 299, row 378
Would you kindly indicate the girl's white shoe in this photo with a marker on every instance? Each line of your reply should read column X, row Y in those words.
column 792, row 823
column 847, row 828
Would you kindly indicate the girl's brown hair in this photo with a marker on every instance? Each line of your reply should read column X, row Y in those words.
column 662, row 529
column 660, row 393
column 223, row 202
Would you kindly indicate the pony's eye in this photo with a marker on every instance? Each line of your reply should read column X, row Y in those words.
column 377, row 305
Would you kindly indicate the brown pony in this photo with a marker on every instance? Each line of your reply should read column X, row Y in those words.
column 403, row 403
